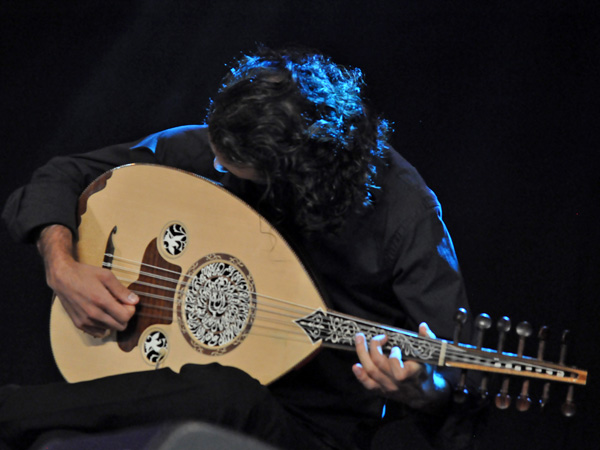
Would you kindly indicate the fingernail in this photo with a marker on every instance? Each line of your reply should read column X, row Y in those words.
column 359, row 339
column 132, row 298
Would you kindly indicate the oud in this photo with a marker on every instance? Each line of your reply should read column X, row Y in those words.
column 217, row 283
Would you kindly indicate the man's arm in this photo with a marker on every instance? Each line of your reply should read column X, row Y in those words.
column 94, row 299
column 430, row 289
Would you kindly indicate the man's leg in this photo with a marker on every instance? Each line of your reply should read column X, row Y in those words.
column 210, row 393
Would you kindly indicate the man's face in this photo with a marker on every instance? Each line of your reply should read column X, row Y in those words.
column 224, row 166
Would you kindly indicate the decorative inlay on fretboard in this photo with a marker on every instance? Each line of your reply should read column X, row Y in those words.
column 338, row 330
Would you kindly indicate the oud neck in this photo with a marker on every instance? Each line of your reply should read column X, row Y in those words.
column 338, row 330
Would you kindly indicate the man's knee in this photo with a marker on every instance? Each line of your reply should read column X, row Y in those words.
column 226, row 389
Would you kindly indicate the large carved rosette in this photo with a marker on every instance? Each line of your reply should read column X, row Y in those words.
column 217, row 307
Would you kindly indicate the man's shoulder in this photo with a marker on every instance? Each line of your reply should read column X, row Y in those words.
column 172, row 136
column 184, row 130
column 403, row 186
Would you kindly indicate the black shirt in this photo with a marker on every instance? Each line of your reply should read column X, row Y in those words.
column 393, row 263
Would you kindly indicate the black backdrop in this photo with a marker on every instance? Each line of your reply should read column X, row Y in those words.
column 495, row 104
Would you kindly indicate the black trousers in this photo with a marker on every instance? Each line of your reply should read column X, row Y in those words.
column 211, row 393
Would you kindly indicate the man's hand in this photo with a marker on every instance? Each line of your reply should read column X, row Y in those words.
column 414, row 384
column 94, row 299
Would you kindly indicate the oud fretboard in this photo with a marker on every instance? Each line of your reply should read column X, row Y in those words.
column 339, row 330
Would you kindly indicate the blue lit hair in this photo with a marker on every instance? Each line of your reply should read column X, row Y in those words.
column 299, row 119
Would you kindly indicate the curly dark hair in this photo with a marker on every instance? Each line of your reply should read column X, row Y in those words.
column 300, row 121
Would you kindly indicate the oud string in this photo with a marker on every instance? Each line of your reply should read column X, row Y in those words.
column 175, row 281
column 269, row 311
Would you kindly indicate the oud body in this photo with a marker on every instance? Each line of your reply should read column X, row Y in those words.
column 157, row 229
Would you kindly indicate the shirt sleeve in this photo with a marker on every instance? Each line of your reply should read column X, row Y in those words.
column 429, row 286
column 51, row 195
column 427, row 280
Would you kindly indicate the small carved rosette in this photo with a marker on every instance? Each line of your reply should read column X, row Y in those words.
column 217, row 306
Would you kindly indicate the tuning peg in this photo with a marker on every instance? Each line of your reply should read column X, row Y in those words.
column 523, row 399
column 563, row 347
column 503, row 326
column 460, row 393
column 482, row 324
column 503, row 400
column 524, row 330
column 545, row 395
column 542, row 336
column 568, row 407
column 460, row 318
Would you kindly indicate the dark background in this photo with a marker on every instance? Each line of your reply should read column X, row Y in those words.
column 494, row 102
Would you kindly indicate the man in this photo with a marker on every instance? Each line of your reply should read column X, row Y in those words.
column 290, row 134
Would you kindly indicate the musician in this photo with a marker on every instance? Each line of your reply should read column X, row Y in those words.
column 290, row 133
